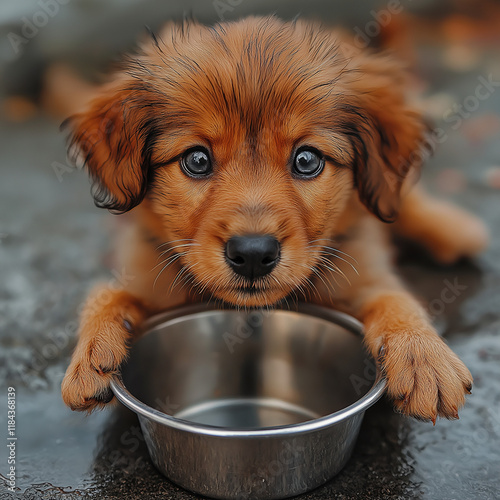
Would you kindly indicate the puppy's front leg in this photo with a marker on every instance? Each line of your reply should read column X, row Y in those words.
column 107, row 325
column 425, row 377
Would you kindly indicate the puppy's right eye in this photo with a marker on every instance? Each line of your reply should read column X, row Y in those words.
column 308, row 163
column 196, row 162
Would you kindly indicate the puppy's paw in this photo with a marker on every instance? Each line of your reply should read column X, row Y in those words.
column 425, row 377
column 86, row 384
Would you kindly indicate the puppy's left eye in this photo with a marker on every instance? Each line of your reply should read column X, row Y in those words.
column 196, row 162
column 308, row 162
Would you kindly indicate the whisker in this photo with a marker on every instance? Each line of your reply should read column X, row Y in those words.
column 313, row 288
column 179, row 246
column 177, row 276
column 347, row 262
column 172, row 259
column 333, row 249
column 335, row 269
column 328, row 251
column 318, row 274
column 168, row 258
column 173, row 241
column 188, row 279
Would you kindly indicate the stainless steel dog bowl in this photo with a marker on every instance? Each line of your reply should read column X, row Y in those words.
column 250, row 405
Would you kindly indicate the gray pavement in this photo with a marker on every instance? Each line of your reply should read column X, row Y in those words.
column 54, row 244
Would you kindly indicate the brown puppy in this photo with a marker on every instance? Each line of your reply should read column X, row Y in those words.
column 261, row 159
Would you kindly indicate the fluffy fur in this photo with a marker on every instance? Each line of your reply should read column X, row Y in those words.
column 251, row 93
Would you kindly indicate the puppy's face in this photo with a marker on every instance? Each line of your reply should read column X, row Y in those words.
column 250, row 199
column 247, row 141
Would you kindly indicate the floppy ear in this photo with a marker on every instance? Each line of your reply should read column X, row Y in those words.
column 386, row 133
column 113, row 138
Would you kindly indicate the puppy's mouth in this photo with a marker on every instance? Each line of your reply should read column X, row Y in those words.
column 248, row 290
column 252, row 290
column 258, row 294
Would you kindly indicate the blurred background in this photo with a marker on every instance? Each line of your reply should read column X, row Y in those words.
column 54, row 244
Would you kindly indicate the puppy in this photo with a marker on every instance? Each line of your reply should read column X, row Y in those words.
column 260, row 161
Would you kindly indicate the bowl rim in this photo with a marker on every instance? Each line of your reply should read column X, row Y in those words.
column 342, row 319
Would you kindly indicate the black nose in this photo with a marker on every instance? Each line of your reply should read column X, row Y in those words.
column 252, row 256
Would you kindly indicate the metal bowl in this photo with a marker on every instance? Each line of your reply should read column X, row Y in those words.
column 250, row 405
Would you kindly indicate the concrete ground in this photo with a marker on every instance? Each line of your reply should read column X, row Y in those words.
column 54, row 244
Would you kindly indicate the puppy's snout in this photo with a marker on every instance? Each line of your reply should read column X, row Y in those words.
column 253, row 256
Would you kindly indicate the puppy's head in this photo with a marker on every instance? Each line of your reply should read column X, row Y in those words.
column 247, row 141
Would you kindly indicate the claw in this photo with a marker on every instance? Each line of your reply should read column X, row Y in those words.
column 105, row 396
column 381, row 354
column 102, row 371
column 106, row 369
